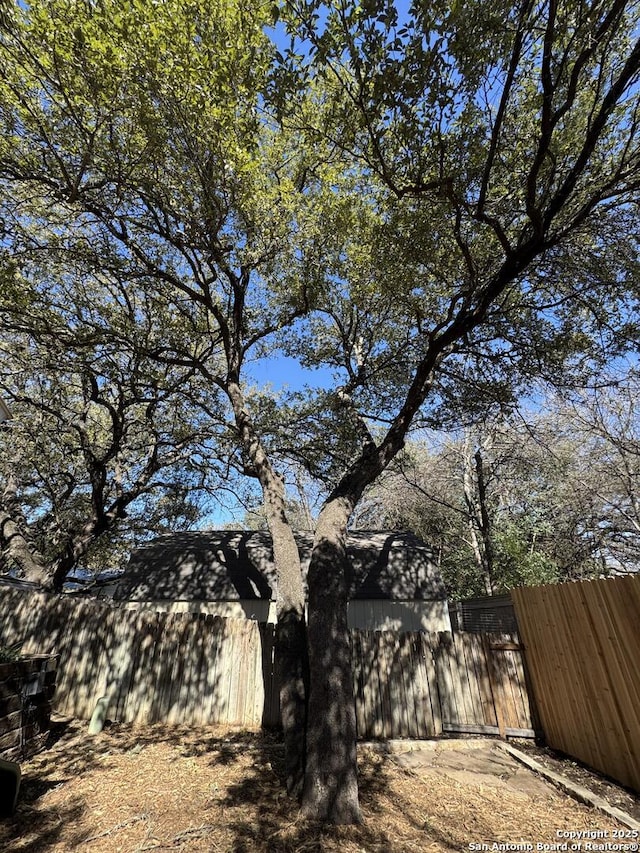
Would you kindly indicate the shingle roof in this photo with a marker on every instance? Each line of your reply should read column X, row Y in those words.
column 229, row 565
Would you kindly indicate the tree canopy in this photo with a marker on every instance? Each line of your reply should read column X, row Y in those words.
column 103, row 439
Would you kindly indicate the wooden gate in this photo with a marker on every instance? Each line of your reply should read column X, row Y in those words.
column 421, row 685
column 482, row 685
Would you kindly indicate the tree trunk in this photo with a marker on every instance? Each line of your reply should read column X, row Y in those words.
column 485, row 522
column 78, row 545
column 477, row 531
column 14, row 543
column 75, row 549
column 291, row 646
column 331, row 776
column 293, row 670
column 17, row 549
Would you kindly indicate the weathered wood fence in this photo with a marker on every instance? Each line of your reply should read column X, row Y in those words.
column 154, row 667
column 202, row 669
column 582, row 646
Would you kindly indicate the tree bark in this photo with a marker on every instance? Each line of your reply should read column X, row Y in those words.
column 331, row 777
column 14, row 544
column 291, row 638
column 76, row 548
column 13, row 540
column 477, row 517
column 485, row 522
column 78, row 544
column 291, row 643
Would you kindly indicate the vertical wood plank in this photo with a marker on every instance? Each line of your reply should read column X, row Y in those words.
column 487, row 710
column 471, row 692
column 456, row 676
column 211, row 700
column 429, row 644
column 414, row 679
column 201, row 671
column 443, row 674
column 582, row 669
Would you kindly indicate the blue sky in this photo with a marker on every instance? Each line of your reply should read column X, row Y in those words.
column 282, row 371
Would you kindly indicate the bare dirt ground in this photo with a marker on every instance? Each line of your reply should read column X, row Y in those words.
column 206, row 789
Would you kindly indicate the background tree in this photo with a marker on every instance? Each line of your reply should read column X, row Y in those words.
column 601, row 426
column 557, row 496
column 102, row 442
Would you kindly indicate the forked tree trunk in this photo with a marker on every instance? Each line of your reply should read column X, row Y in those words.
column 77, row 547
column 331, row 776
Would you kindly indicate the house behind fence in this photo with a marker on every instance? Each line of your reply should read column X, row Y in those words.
column 393, row 579
column 205, row 669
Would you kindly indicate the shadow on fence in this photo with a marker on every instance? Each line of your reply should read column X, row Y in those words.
column 148, row 667
column 202, row 669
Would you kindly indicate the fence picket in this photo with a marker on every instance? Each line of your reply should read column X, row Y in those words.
column 200, row 679
column 203, row 669
column 375, row 699
column 470, row 693
column 582, row 647
column 429, row 646
column 486, row 708
column 210, row 700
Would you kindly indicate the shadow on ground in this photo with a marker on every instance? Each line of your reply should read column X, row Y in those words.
column 208, row 789
column 252, row 813
column 274, row 825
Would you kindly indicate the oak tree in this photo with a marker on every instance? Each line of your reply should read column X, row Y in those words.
column 427, row 206
column 500, row 146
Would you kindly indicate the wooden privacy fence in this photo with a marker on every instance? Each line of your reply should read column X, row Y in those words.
column 154, row 667
column 582, row 646
column 202, row 669
column 418, row 685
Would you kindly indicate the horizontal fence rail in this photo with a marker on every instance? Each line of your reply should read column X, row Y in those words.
column 204, row 669
column 582, row 647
